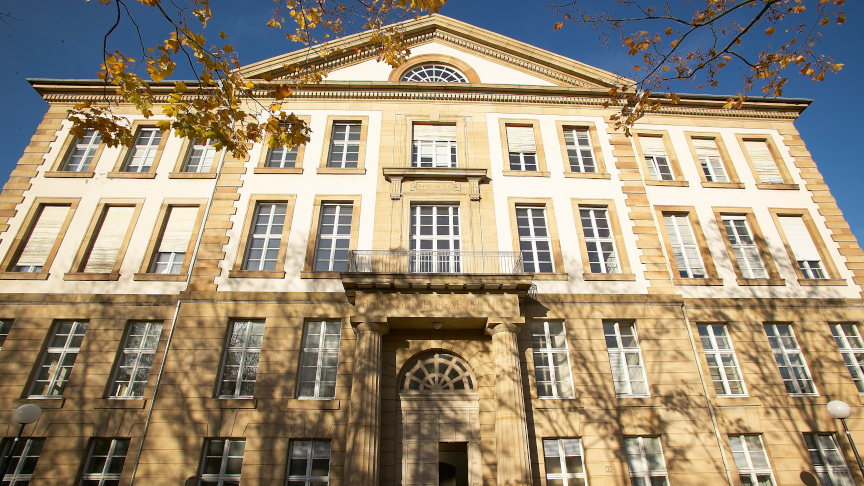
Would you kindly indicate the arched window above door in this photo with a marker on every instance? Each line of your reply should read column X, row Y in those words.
column 437, row 372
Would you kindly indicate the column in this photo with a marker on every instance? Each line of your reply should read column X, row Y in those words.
column 364, row 419
column 511, row 428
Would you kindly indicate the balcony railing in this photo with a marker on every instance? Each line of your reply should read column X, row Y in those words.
column 436, row 261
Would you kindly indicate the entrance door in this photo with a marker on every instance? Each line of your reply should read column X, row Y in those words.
column 453, row 464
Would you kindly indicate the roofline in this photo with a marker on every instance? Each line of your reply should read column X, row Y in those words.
column 751, row 99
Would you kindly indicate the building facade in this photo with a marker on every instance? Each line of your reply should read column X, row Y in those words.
column 465, row 277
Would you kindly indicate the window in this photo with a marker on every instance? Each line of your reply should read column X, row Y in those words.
column 744, row 247
column 804, row 251
column 436, row 372
column 534, row 242
column 107, row 240
column 105, row 462
column 434, row 73
column 551, row 360
column 625, row 357
column 334, row 238
column 790, row 360
column 521, row 147
column 262, row 251
column 200, row 157
column 174, row 242
column 763, row 161
column 309, row 463
column 56, row 365
column 827, row 460
column 143, row 153
column 22, row 462
column 5, row 327
column 434, row 146
column 319, row 359
column 751, row 460
column 564, row 464
column 685, row 248
column 852, row 348
column 282, row 157
column 435, row 241
column 240, row 367
column 41, row 239
column 579, row 151
column 710, row 159
column 722, row 363
column 344, row 145
column 654, row 150
column 645, row 460
column 82, row 152
column 136, row 359
column 223, row 461
column 599, row 241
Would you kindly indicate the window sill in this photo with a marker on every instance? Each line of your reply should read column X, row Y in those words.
column 609, row 276
column 818, row 282
column 130, row 403
column 588, row 175
column 191, row 175
column 310, row 274
column 131, row 175
column 549, row 276
column 91, row 276
column 228, row 403
column 278, row 170
column 160, row 277
column 526, row 173
column 23, row 276
column 69, row 174
column 313, row 404
column 723, row 185
column 755, row 282
column 780, row 187
column 667, row 183
column 342, row 171
column 256, row 274
column 698, row 281
column 45, row 403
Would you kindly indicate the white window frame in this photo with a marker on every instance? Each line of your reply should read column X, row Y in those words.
column 137, row 348
column 620, row 354
column 443, row 153
column 534, row 240
column 436, row 259
column 206, row 155
column 744, row 246
column 647, row 471
column 786, row 356
column 575, row 150
column 307, row 479
column 434, row 73
column 335, row 240
column 853, row 356
column 321, row 353
column 812, row 269
column 105, row 475
column 564, row 447
column 835, row 473
column 606, row 261
column 658, row 171
column 272, row 239
column 523, row 161
column 713, row 168
column 168, row 262
column 720, row 371
column 682, row 252
column 223, row 476
column 85, row 148
column 278, row 157
column 16, row 477
column 5, row 328
column 248, row 348
column 338, row 156
column 742, row 454
column 56, row 380
column 561, row 376
column 147, row 147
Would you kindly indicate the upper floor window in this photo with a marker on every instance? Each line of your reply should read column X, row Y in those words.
column 804, row 250
column 579, row 151
column 435, row 242
column 659, row 168
column 42, row 239
column 282, row 157
column 59, row 357
column 265, row 237
column 345, row 145
column 790, row 360
column 242, row 353
column 599, row 240
column 143, row 152
column 521, row 148
column 319, row 360
column 625, row 358
column 334, row 238
column 645, row 461
column 551, row 359
column 744, row 247
column 434, row 146
column 200, row 156
column 751, row 460
column 174, row 241
column 534, row 241
column 852, row 348
column 136, row 359
column 763, row 162
column 710, row 160
column 107, row 242
column 722, row 363
column 434, row 73
column 82, row 152
column 685, row 248
column 223, row 462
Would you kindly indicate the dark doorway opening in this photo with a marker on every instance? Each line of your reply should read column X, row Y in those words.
column 453, row 464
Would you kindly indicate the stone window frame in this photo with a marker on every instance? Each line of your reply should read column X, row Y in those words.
column 65, row 151
column 185, row 152
column 828, row 263
column 261, row 167
column 560, row 272
column 617, row 234
column 76, row 272
column 788, row 182
column 23, row 235
column 597, row 148
column 144, row 272
column 711, row 275
column 363, row 120
column 140, row 351
column 468, row 71
column 774, row 278
column 542, row 170
column 674, row 163
column 320, row 200
column 731, row 173
column 137, row 126
column 237, row 271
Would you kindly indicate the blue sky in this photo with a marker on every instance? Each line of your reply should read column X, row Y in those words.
column 63, row 39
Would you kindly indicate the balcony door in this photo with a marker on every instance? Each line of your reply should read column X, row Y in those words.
column 435, row 239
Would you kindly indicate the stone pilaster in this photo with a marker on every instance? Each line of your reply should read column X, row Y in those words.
column 364, row 423
column 511, row 428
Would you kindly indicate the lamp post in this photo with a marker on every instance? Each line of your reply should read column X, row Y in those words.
column 25, row 414
column 841, row 410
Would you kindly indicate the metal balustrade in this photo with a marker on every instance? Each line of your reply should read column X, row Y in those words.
column 436, row 261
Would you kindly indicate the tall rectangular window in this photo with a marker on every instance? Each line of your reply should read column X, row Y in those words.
column 40, row 241
column 334, row 238
column 5, row 327
column 309, row 463
column 82, row 152
column 136, row 359
column 564, row 462
column 22, row 461
column 852, row 348
column 722, row 363
column 200, row 156
column 105, row 462
column 521, row 147
column 345, row 145
column 434, row 146
column 656, row 158
column 830, row 466
column 744, row 247
column 108, row 241
column 174, row 241
column 534, row 241
column 319, row 360
column 710, row 160
column 751, row 460
column 262, row 251
column 599, row 240
column 806, row 255
column 56, row 364
column 551, row 360
column 223, row 462
column 790, row 360
column 282, row 157
column 435, row 241
column 625, row 357
column 645, row 460
column 763, row 162
column 240, row 367
column 685, row 249
column 143, row 152
column 579, row 150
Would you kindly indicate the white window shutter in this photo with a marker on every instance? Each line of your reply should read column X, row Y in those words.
column 44, row 234
column 763, row 161
column 437, row 133
column 705, row 147
column 799, row 238
column 520, row 139
column 652, row 145
column 178, row 230
column 106, row 247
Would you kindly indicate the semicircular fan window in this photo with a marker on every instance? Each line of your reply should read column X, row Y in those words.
column 434, row 73
column 437, row 372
